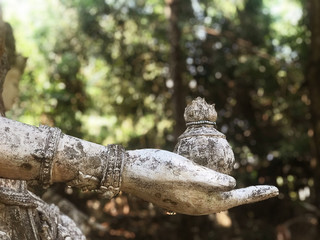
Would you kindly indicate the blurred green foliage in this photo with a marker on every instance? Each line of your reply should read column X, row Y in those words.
column 99, row 70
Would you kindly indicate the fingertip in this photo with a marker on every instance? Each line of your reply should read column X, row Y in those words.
column 225, row 182
column 267, row 191
column 232, row 182
column 228, row 181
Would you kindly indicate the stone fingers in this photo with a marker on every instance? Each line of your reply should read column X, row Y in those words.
column 212, row 179
column 185, row 170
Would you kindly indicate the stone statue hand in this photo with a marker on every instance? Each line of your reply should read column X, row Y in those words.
column 178, row 184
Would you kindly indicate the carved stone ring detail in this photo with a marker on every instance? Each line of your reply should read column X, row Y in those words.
column 200, row 123
column 111, row 180
column 51, row 145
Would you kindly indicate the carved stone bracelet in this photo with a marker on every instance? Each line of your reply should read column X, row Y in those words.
column 46, row 155
column 111, row 180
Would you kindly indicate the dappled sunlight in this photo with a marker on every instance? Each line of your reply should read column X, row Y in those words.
column 223, row 219
column 117, row 206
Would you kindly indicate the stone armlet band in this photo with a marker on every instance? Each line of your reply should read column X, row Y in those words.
column 46, row 154
column 111, row 180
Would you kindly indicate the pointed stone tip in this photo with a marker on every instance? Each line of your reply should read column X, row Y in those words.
column 200, row 110
column 263, row 192
column 273, row 191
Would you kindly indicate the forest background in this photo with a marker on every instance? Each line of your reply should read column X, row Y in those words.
column 116, row 71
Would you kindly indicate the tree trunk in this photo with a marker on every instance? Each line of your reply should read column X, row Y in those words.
column 176, row 65
column 313, row 80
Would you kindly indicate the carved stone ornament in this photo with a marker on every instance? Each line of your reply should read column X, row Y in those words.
column 46, row 155
column 202, row 135
column 23, row 215
column 16, row 194
column 111, row 180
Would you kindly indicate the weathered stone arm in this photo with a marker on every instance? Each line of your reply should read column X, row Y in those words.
column 47, row 155
column 161, row 177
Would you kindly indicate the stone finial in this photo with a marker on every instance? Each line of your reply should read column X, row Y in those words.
column 201, row 142
column 200, row 110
